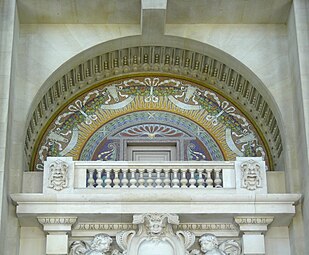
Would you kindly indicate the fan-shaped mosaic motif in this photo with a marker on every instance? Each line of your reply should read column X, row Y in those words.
column 149, row 107
column 155, row 127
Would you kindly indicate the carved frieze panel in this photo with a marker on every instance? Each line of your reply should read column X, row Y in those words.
column 155, row 233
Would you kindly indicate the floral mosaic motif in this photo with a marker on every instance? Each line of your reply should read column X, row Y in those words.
column 80, row 118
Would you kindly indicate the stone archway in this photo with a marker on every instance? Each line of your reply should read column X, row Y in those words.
column 174, row 62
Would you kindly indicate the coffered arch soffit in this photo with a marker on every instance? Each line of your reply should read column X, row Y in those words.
column 244, row 91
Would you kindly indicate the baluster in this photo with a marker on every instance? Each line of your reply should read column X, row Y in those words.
column 124, row 180
column 99, row 180
column 158, row 181
column 116, row 178
column 108, row 180
column 133, row 180
column 200, row 180
column 90, row 178
column 167, row 180
column 192, row 180
column 175, row 180
column 149, row 180
column 209, row 180
column 183, row 180
column 141, row 179
column 218, row 180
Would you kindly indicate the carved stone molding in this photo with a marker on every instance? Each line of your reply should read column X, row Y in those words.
column 253, row 223
column 206, row 226
column 159, row 59
column 220, row 229
column 254, row 220
column 104, row 226
column 58, row 224
column 56, row 220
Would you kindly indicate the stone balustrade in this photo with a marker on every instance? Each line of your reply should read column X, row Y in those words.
column 160, row 176
column 66, row 175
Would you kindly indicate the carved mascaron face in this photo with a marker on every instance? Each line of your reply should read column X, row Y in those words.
column 251, row 176
column 155, row 226
column 58, row 175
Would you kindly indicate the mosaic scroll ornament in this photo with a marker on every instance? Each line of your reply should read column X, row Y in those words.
column 71, row 129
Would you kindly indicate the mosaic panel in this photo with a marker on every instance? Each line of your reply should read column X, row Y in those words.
column 151, row 126
column 122, row 104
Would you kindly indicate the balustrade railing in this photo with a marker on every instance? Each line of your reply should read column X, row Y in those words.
column 154, row 178
column 64, row 174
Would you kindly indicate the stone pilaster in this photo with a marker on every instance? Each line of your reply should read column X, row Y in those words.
column 253, row 229
column 57, row 230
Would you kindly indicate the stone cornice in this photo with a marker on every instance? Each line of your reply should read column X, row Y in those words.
column 131, row 196
column 115, row 204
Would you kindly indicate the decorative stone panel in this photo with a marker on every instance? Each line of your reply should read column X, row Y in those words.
column 251, row 175
column 58, row 175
